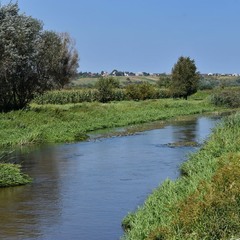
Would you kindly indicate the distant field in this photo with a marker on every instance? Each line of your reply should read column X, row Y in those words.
column 88, row 81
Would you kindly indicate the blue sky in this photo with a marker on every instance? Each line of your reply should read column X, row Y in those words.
column 146, row 35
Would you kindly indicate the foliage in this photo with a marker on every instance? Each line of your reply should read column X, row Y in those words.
column 31, row 60
column 11, row 175
column 207, row 84
column 105, row 87
column 57, row 60
column 229, row 98
column 185, row 78
column 164, row 81
column 204, row 202
column 141, row 91
column 162, row 93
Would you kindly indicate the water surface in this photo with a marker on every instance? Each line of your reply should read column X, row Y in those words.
column 83, row 190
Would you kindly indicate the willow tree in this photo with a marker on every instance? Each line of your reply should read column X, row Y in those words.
column 185, row 78
column 31, row 60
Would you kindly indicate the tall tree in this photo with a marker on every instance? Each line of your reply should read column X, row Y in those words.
column 31, row 60
column 185, row 78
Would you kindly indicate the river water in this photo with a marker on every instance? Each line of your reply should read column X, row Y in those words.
column 83, row 190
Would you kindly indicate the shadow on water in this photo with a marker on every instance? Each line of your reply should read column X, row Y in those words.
column 83, row 190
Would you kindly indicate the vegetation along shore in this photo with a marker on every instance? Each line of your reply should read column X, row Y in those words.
column 42, row 100
column 204, row 203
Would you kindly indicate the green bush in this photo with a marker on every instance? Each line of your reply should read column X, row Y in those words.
column 164, row 81
column 105, row 88
column 141, row 91
column 162, row 93
column 207, row 84
column 228, row 98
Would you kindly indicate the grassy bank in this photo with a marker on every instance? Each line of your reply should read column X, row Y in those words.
column 204, row 203
column 71, row 122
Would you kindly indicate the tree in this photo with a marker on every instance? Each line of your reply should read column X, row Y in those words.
column 185, row 78
column 57, row 58
column 31, row 60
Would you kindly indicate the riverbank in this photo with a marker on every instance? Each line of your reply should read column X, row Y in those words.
column 204, row 203
column 72, row 122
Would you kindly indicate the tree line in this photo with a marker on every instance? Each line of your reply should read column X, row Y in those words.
column 33, row 60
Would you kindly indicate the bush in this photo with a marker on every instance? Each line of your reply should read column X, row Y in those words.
column 141, row 91
column 164, row 81
column 105, row 88
column 228, row 98
column 207, row 84
column 162, row 93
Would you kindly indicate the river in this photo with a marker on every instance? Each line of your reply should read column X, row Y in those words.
column 83, row 190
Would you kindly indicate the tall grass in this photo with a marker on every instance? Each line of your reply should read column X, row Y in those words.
column 71, row 122
column 204, row 202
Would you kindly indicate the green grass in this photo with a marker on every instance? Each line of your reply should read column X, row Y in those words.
column 204, row 203
column 11, row 175
column 71, row 122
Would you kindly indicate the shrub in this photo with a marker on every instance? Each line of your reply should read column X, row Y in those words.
column 141, row 91
column 228, row 98
column 162, row 93
column 207, row 84
column 164, row 81
column 105, row 88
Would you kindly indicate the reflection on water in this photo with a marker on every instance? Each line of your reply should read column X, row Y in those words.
column 23, row 209
column 83, row 190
